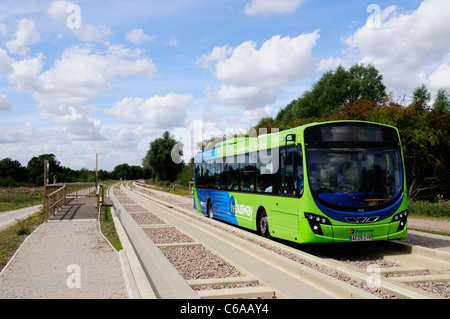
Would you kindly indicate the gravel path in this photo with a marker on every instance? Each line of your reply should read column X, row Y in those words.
column 428, row 224
column 10, row 218
column 58, row 252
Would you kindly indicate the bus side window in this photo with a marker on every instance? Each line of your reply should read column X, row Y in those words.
column 202, row 175
column 287, row 176
column 224, row 178
column 233, row 174
column 264, row 172
column 218, row 173
column 299, row 181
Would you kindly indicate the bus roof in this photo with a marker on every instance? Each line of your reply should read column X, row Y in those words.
column 248, row 144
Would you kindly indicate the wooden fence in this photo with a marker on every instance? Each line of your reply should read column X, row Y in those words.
column 55, row 195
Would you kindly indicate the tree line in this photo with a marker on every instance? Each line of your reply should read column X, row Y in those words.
column 13, row 174
column 359, row 94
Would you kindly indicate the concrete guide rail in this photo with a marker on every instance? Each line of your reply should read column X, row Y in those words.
column 153, row 274
column 287, row 277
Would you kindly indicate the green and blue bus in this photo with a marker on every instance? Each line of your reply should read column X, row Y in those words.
column 335, row 181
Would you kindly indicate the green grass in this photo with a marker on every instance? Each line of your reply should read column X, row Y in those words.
column 12, row 237
column 168, row 187
column 109, row 229
column 435, row 232
column 19, row 197
column 439, row 209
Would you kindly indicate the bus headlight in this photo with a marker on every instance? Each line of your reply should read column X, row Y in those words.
column 402, row 218
column 315, row 222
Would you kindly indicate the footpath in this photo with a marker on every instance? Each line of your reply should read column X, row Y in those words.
column 8, row 219
column 66, row 258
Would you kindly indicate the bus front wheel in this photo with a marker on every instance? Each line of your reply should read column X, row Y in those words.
column 263, row 224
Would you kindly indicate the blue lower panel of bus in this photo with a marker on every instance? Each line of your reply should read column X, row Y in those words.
column 221, row 204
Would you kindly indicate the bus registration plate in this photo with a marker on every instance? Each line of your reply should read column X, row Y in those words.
column 361, row 238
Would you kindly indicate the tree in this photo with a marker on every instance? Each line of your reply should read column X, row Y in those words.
column 159, row 160
column 366, row 83
column 11, row 172
column 35, row 168
column 442, row 102
column 335, row 90
column 421, row 96
column 125, row 171
column 265, row 121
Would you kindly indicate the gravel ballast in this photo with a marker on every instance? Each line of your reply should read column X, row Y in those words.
column 167, row 236
column 197, row 262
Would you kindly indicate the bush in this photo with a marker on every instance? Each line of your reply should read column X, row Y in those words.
column 185, row 176
column 441, row 208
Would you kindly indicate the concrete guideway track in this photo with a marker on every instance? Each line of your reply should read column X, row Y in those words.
column 410, row 257
column 287, row 278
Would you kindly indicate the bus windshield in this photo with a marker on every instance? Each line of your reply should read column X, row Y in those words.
column 354, row 177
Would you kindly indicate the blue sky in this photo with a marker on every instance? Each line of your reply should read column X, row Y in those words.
column 108, row 77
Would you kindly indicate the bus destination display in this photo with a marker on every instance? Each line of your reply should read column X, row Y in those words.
column 351, row 134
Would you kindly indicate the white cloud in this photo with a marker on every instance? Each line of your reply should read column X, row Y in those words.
column 155, row 112
column 440, row 78
column 25, row 73
column 173, row 41
column 78, row 125
column 251, row 116
column 75, row 79
column 5, row 103
column 9, row 135
column 265, row 7
column 127, row 110
column 81, row 74
column 58, row 10
column 137, row 36
column 252, row 77
column 406, row 45
column 24, row 36
column 331, row 64
column 5, row 61
column 2, row 29
column 91, row 33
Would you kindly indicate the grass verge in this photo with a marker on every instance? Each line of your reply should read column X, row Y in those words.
column 421, row 208
column 19, row 197
column 108, row 228
column 12, row 237
column 435, row 232
column 168, row 187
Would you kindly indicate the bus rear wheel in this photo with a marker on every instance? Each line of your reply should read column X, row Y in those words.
column 263, row 224
column 209, row 210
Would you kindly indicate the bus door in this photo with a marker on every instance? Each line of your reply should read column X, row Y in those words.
column 284, row 219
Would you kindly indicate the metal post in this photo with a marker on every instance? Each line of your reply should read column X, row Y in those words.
column 45, row 191
column 96, row 169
